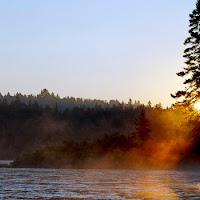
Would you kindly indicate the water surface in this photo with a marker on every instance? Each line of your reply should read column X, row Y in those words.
column 98, row 184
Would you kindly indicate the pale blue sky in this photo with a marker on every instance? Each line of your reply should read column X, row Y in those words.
column 99, row 49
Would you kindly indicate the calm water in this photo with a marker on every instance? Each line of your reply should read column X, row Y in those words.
column 98, row 184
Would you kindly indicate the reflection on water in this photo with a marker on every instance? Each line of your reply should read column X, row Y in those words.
column 98, row 184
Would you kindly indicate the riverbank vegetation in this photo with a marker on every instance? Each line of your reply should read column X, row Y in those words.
column 121, row 135
column 142, row 136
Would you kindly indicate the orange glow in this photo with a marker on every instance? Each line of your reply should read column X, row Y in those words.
column 197, row 105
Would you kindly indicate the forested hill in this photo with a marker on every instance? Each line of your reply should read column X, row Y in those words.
column 29, row 122
column 28, row 127
column 52, row 100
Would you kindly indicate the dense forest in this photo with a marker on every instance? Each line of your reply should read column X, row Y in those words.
column 121, row 135
column 112, row 138
column 30, row 122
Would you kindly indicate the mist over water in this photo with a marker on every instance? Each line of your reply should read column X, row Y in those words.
column 98, row 184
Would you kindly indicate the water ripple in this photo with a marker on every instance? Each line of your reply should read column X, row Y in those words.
column 98, row 184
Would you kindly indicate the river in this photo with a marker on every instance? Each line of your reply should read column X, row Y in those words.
column 98, row 184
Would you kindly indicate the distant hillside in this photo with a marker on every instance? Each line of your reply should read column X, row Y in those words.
column 45, row 98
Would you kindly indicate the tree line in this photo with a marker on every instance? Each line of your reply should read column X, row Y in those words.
column 157, row 138
column 45, row 98
column 25, row 127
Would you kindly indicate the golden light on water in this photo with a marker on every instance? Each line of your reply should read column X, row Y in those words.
column 197, row 105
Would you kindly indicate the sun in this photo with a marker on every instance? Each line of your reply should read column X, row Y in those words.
column 197, row 105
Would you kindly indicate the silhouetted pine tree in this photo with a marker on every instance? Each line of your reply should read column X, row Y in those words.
column 192, row 56
column 142, row 127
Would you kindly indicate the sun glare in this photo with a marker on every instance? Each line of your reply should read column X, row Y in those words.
column 197, row 105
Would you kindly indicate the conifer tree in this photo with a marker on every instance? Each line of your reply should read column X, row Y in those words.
column 142, row 127
column 192, row 60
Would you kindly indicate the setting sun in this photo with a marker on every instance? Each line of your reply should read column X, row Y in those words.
column 197, row 105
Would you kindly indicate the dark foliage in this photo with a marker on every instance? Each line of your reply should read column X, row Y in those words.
column 142, row 131
column 83, row 154
column 25, row 127
column 192, row 55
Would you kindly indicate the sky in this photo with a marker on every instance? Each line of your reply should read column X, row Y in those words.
column 98, row 49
